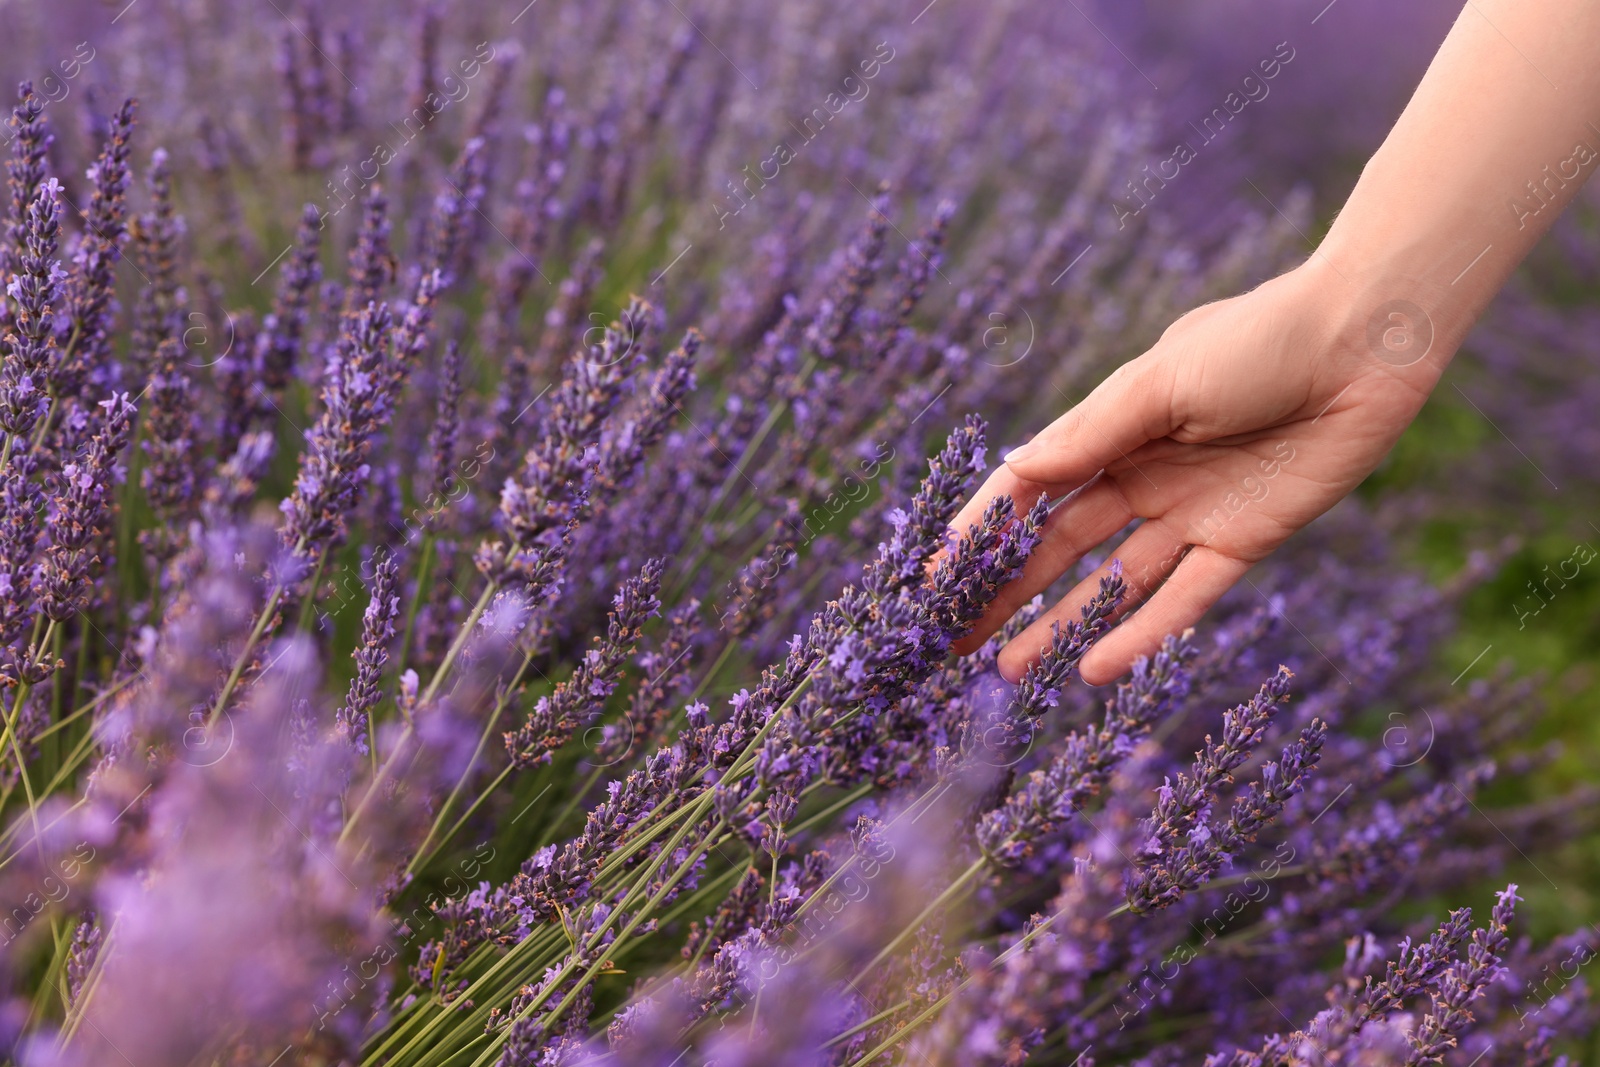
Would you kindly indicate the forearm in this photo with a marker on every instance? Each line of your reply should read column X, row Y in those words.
column 1498, row 138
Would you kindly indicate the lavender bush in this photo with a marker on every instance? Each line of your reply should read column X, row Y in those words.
column 476, row 586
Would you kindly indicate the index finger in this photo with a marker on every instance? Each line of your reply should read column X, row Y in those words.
column 1003, row 482
column 1086, row 517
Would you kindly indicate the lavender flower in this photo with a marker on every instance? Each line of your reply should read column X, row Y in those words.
column 377, row 632
column 1462, row 983
column 446, row 425
column 1183, row 848
column 283, row 331
column 667, row 673
column 22, row 510
column 83, row 507
column 90, row 298
column 575, row 701
column 372, row 264
column 553, row 489
column 26, row 171
column 623, row 450
column 1087, row 759
column 86, row 942
column 30, row 359
column 356, row 401
column 1416, row 969
column 902, row 558
column 784, row 824
column 169, row 478
column 454, row 212
column 156, row 235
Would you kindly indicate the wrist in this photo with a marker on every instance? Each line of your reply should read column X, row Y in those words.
column 1383, row 311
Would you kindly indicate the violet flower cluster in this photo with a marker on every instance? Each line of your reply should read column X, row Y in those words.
column 489, row 598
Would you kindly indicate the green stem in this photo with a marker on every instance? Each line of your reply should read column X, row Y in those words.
column 310, row 606
column 951, row 891
column 52, row 981
column 378, row 781
column 633, row 924
column 49, row 754
column 242, row 663
column 80, row 1007
column 84, row 709
column 917, row 1020
column 459, row 823
column 553, row 828
column 409, row 732
column 79, row 754
column 756, row 441
column 829, row 811
column 12, row 718
column 424, row 572
column 688, row 814
column 473, row 992
column 501, row 704
column 715, row 887
column 697, row 810
column 461, row 783
column 866, row 1024
column 460, row 642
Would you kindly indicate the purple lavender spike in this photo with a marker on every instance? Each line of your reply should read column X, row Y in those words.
column 446, row 425
column 170, row 425
column 1462, row 983
column 26, row 170
column 283, row 330
column 22, row 509
column 30, row 361
column 83, row 506
column 377, row 634
column 156, row 237
column 576, row 701
column 356, row 399
column 91, row 303
column 1087, row 759
column 1178, row 852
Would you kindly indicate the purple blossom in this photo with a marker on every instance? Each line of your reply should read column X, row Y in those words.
column 89, row 299
column 612, row 298
column 30, row 358
column 576, row 702
column 377, row 631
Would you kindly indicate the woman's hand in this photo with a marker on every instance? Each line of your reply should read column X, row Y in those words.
column 1248, row 418
column 1252, row 416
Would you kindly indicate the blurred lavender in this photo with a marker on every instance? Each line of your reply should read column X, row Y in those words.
column 475, row 583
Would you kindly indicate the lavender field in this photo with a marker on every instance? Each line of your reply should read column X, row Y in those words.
column 477, row 586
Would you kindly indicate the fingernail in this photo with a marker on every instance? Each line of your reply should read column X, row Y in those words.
column 1008, row 669
column 1020, row 452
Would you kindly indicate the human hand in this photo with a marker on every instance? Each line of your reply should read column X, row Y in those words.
column 1249, row 418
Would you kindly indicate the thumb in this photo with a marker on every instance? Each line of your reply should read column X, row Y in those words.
column 1133, row 405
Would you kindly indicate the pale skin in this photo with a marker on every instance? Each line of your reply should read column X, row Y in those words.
column 1317, row 364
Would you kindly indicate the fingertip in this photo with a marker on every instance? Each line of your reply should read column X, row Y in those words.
column 1024, row 465
column 1002, row 482
column 1014, row 661
column 1100, row 667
